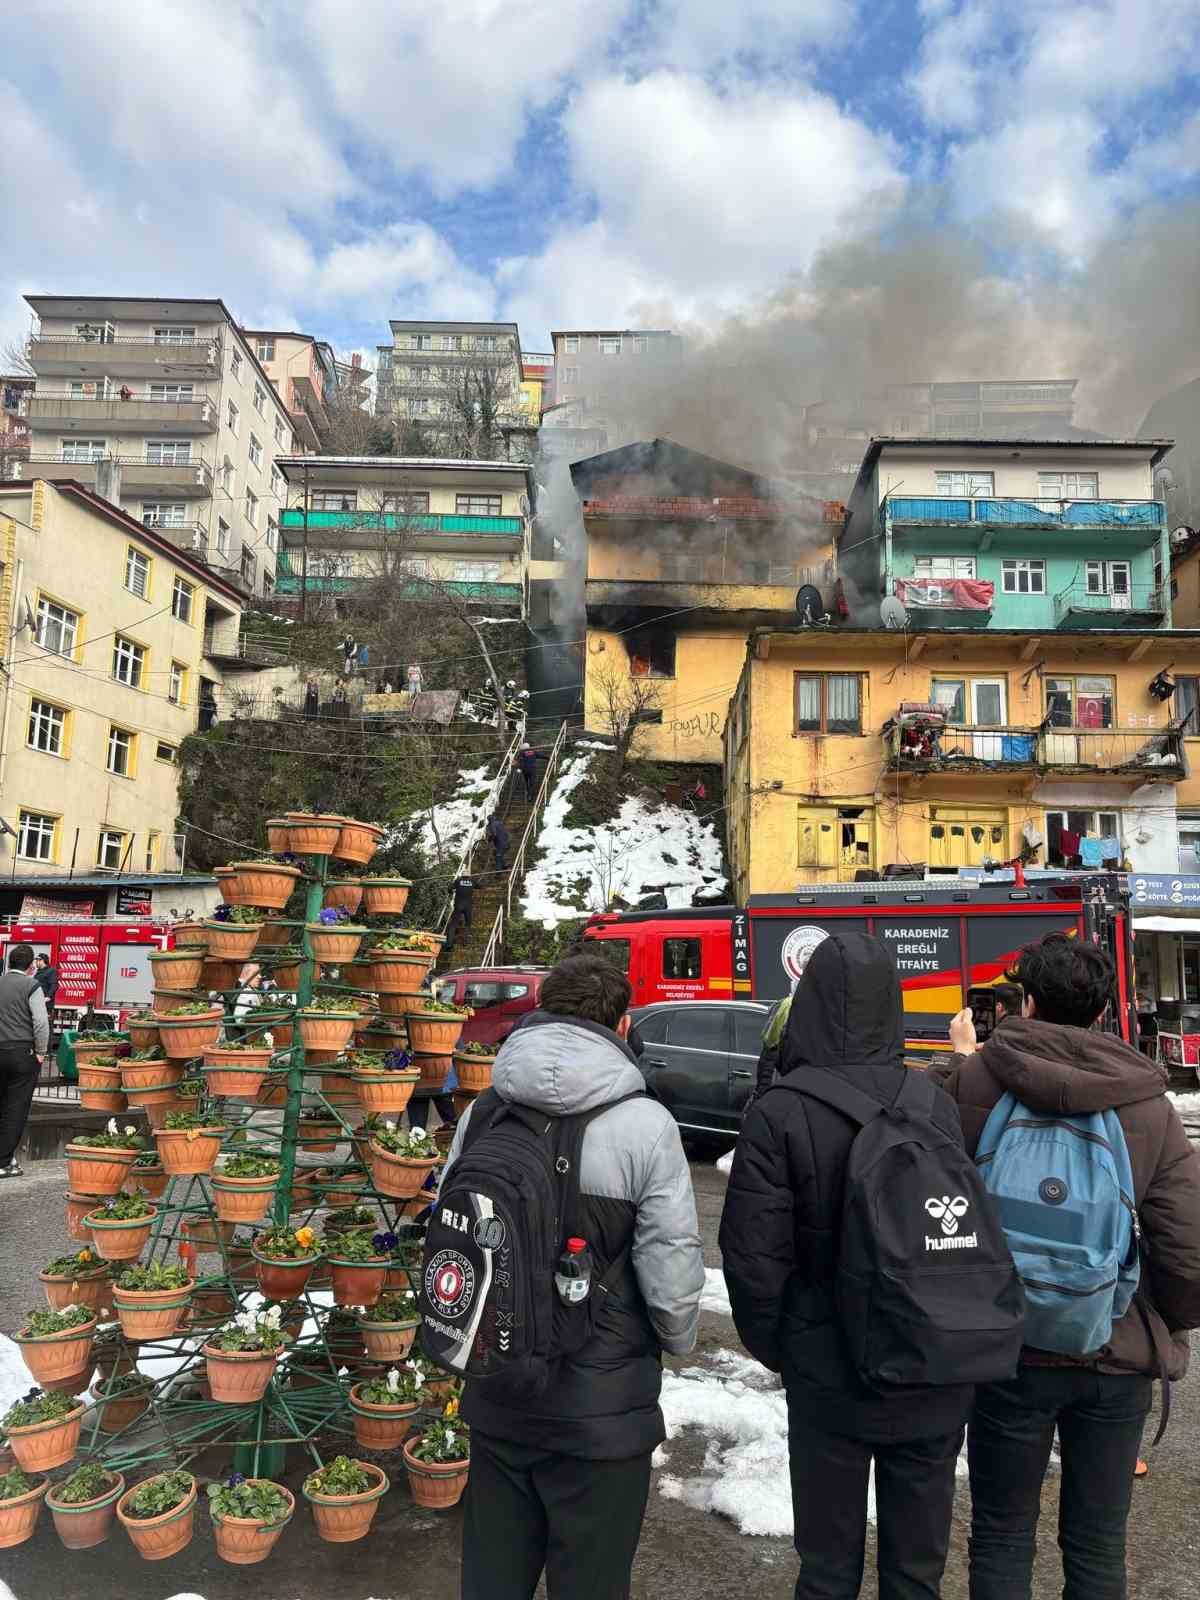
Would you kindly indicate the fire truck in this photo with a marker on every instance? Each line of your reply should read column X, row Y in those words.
column 103, row 964
column 945, row 937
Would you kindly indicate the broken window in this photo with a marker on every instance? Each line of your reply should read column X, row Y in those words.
column 652, row 654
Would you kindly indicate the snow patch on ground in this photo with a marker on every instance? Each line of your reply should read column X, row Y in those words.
column 444, row 836
column 1188, row 1104
column 715, row 1296
column 580, row 870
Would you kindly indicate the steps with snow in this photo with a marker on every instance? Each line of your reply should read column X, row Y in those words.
column 490, row 887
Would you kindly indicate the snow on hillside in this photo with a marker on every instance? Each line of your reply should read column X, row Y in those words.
column 644, row 849
column 443, row 836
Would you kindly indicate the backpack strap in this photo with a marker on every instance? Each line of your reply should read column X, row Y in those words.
column 831, row 1089
column 569, row 1150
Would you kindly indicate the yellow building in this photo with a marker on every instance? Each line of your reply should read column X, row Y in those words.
column 1049, row 739
column 114, row 639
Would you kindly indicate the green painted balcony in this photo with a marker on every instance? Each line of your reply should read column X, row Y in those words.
column 366, row 522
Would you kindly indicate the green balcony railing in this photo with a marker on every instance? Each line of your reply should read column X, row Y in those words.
column 397, row 522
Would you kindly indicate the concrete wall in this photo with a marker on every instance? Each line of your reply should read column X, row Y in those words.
column 912, row 470
column 693, row 703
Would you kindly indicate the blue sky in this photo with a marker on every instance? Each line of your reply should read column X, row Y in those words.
column 566, row 162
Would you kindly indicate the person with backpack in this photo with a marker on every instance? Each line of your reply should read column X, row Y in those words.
column 1082, row 1151
column 497, row 836
column 864, row 1265
column 563, row 1257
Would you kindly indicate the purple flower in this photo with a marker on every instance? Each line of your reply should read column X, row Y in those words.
column 221, row 914
column 397, row 1060
column 384, row 1243
column 234, row 1479
column 329, row 915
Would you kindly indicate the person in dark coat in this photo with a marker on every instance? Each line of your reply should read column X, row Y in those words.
column 1055, row 1064
column 779, row 1244
column 527, row 760
column 46, row 978
column 497, row 837
column 312, row 699
column 461, row 911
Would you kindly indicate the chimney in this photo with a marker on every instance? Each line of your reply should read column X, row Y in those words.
column 108, row 480
column 356, row 358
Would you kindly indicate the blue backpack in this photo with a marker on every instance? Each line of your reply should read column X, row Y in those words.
column 1063, row 1189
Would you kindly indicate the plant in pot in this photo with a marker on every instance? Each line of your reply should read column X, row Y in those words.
column 122, row 1399
column 285, row 963
column 386, row 893
column 151, row 1300
column 93, row 1042
column 285, row 1258
column 248, row 1516
column 400, row 962
column 438, row 1462
column 310, row 1365
column 81, row 1279
column 158, row 1514
column 343, row 1336
column 265, row 883
column 333, row 938
column 143, row 1030
column 150, row 1069
column 358, row 1266
column 473, row 1064
column 121, row 1226
column 233, row 933
column 345, row 1496
column 401, row 1162
column 435, row 1025
column 147, row 1174
column 384, row 1080
column 20, row 1506
column 358, row 841
column 43, row 1429
column 188, row 1143
column 350, row 1219
column 339, row 1183
column 390, row 1326
column 56, row 1346
column 343, row 894
column 236, row 1070
column 313, row 833
column 100, row 1082
column 319, row 1129
column 241, row 1356
column 326, row 1023
column 84, row 1503
column 191, row 1030
column 385, row 1408
column 243, row 1185
column 404, row 1259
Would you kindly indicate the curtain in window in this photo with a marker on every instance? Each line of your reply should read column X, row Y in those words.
column 842, row 710
column 808, row 702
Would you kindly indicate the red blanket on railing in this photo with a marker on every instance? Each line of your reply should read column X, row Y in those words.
column 954, row 594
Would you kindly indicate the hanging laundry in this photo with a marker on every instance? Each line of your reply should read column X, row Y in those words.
column 1110, row 849
column 1089, row 852
column 1068, row 843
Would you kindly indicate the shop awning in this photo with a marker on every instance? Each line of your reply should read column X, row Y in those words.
column 1154, row 924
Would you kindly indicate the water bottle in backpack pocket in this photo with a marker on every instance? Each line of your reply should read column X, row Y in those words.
column 1063, row 1189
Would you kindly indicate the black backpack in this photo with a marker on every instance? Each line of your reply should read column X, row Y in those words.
column 926, row 1291
column 489, row 1308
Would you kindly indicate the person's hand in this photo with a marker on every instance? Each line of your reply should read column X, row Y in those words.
column 962, row 1033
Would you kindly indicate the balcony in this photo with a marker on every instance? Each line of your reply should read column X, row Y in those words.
column 1149, row 756
column 73, row 355
column 368, row 530
column 1142, row 605
column 925, row 511
column 192, row 539
column 56, row 408
column 946, row 602
column 184, row 480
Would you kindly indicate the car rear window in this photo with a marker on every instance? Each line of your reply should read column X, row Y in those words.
column 480, row 994
column 747, row 1032
column 697, row 1028
column 514, row 991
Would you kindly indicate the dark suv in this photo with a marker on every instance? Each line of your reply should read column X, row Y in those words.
column 499, row 997
column 700, row 1058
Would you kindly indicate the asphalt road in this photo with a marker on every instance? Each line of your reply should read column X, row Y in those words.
column 685, row 1554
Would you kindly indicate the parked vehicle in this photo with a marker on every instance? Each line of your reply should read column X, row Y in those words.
column 498, row 996
column 103, row 964
column 700, row 1058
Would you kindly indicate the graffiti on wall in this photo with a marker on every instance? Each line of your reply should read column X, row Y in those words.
column 704, row 725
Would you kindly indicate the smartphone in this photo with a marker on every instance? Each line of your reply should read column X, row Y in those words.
column 982, row 1001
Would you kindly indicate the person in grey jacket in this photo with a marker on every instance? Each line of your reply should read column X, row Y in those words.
column 560, row 1483
column 24, row 1040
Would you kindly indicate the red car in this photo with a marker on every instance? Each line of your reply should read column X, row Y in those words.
column 499, row 997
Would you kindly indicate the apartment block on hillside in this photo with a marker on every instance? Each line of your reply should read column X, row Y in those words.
column 423, row 370
column 305, row 375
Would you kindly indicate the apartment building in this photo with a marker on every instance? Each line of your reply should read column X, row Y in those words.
column 164, row 407
column 592, row 365
column 305, row 375
column 15, row 389
column 350, row 518
column 117, row 641
column 537, row 382
column 418, row 374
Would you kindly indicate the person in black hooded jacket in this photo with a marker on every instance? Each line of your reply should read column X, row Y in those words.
column 779, row 1244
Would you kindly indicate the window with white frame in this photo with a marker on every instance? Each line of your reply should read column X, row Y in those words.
column 272, row 539
column 120, row 751
column 172, row 391
column 487, row 341
column 277, row 483
column 256, row 452
column 943, row 567
column 1188, row 823
column 1068, row 485
column 966, row 485
column 235, row 365
column 47, row 730
column 260, row 399
column 1021, row 576
column 232, row 415
column 1079, row 825
column 90, row 388
column 420, row 341
column 111, row 851
column 268, row 583
column 251, row 508
column 570, row 376
column 166, row 752
column 168, row 452
column 248, row 569
column 128, row 662
column 278, row 430
column 35, row 836
column 412, row 502
column 476, row 572
column 639, row 344
column 57, row 627
column 165, row 513
column 151, row 857
column 137, row 573
column 610, row 344
column 227, row 477
column 265, row 349
column 183, row 596
column 79, row 450
column 570, row 344
column 451, row 341
column 477, row 505
column 223, row 537
column 1110, row 578
column 96, row 332
column 177, row 684
column 174, row 335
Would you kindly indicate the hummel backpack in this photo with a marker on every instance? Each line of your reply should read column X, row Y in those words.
column 489, row 1308
column 926, row 1293
column 1063, row 1189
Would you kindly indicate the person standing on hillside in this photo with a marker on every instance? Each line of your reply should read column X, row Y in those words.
column 461, row 912
column 24, row 1041
column 498, row 838
column 527, row 760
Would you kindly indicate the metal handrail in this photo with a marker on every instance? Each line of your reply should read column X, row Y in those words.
column 198, row 342
column 475, row 837
column 517, row 871
column 64, row 393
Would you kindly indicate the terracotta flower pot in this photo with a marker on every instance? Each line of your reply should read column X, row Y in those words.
column 100, row 1087
column 151, row 1313
column 288, row 977
column 399, row 971
column 386, row 897
column 402, row 1177
column 393, row 1006
column 389, row 1342
column 220, row 975
column 357, row 1283
column 338, row 1088
column 117, row 1412
column 213, row 1305
column 54, row 1357
column 178, row 969
column 384, row 1034
column 191, row 934
column 268, row 884
column 18, row 1516
column 325, row 1030
column 434, row 1069
column 188, row 1036
column 271, row 935
column 143, row 1035
column 207, row 1235
column 169, row 1002
column 305, row 1196
column 112, row 1356
column 341, row 1519
column 184, row 1152
column 86, row 1523
column 398, row 1278
column 279, row 835
column 333, row 944
column 86, row 1049
column 150, row 1074
column 242, row 1199
column 236, row 1074
column 40, row 1446
column 272, row 1091
column 78, row 1206
column 232, row 941
column 158, row 1107
column 153, row 1180
column 434, row 1031
column 381, row 1427
column 358, row 842
column 320, row 1137
column 156, row 1538
column 384, row 1093
column 243, row 1541
column 238, row 1377
column 91, row 1289
column 474, row 1071
column 120, row 1241
column 344, row 894
column 284, row 1280
column 436, row 1484
column 313, row 833
column 229, row 885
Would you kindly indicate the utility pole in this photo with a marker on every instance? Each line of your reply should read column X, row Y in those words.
column 304, row 557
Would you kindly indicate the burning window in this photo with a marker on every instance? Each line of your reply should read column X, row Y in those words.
column 652, row 654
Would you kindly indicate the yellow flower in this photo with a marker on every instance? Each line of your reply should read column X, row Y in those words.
column 192, row 1133
column 451, row 1408
column 305, row 1237
column 85, row 1255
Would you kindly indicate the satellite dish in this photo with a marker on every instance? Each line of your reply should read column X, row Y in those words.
column 524, row 505
column 810, row 608
column 1180, row 537
column 30, row 619
column 891, row 613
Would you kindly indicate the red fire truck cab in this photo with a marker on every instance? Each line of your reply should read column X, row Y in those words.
column 101, row 963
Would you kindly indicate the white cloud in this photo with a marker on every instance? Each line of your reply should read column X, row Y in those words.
column 698, row 33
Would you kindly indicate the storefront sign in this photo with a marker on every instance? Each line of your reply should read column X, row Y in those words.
column 1152, row 889
column 36, row 907
column 133, row 903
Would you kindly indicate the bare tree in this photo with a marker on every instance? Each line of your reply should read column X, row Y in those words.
column 622, row 701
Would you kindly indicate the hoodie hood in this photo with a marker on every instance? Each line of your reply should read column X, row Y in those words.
column 846, row 1010
column 1053, row 1068
column 563, row 1066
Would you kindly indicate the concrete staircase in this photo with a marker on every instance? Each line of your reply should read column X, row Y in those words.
column 490, row 885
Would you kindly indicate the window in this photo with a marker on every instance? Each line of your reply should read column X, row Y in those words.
column 227, row 477
column 570, row 344
column 943, row 566
column 265, row 349
column 570, row 376
column 451, row 341
column 79, row 450
column 96, row 333
column 681, row 958
column 277, row 483
column 151, row 857
column 278, row 430
column 1080, row 702
column 1078, row 825
column 120, row 751
column 966, row 484
column 36, row 836
column 971, row 702
column 182, row 596
column 172, row 391
column 223, row 537
column 111, row 851
column 268, row 584
column 169, row 452
column 640, row 343
column 477, row 572
column 235, row 365
column 248, row 569
column 57, row 627
column 1020, row 576
column 232, row 415
column 698, row 1028
column 652, row 654
column 748, row 1032
column 128, row 662
column 483, row 993
column 610, row 344
column 1111, row 579
column 137, row 573
column 414, row 503
column 174, row 335
column 260, row 399
column 90, row 389
column 164, row 513
column 1189, row 841
column 272, row 539
column 838, row 840
column 177, row 684
column 256, row 453
column 966, row 836
column 251, row 508
column 165, row 752
column 47, row 729
column 333, row 500
column 1068, row 485
column 828, row 702
column 487, row 341
column 477, row 505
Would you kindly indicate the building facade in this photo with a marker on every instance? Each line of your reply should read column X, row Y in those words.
column 118, row 639
column 419, row 375
column 537, row 383
column 305, row 376
column 592, row 366
column 15, row 389
column 164, row 407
